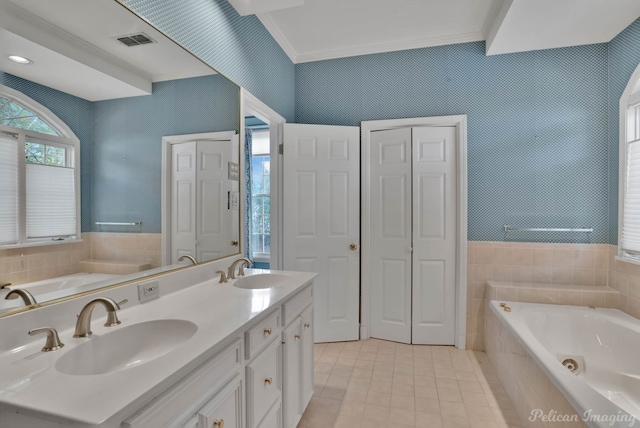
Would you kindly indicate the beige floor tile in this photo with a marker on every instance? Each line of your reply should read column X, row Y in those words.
column 403, row 402
column 379, row 398
column 382, row 375
column 428, row 420
column 376, row 413
column 402, row 389
column 344, row 421
column 376, row 383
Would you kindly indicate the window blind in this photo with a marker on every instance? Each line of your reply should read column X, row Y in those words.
column 51, row 207
column 8, row 190
column 631, row 216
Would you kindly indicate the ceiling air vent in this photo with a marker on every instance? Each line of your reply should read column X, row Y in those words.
column 135, row 39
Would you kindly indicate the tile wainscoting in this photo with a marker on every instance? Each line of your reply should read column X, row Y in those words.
column 575, row 274
column 29, row 264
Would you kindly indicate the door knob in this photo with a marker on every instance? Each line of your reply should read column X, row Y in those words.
column 353, row 247
column 218, row 423
column 234, row 243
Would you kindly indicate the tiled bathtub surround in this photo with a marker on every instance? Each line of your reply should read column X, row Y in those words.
column 527, row 385
column 557, row 294
column 131, row 247
column 29, row 264
column 625, row 278
column 565, row 265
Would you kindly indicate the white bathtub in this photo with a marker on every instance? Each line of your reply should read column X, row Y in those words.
column 605, row 343
column 62, row 282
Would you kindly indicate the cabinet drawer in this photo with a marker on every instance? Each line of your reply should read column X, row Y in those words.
column 292, row 307
column 264, row 385
column 224, row 410
column 184, row 398
column 262, row 334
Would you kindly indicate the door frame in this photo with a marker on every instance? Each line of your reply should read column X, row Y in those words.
column 165, row 199
column 250, row 105
column 366, row 127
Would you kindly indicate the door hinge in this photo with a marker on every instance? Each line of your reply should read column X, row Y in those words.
column 281, row 149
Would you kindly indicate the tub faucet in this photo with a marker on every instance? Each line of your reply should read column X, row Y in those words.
column 26, row 296
column 193, row 260
column 83, row 325
column 232, row 269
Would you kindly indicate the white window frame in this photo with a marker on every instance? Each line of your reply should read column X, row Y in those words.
column 66, row 138
column 263, row 257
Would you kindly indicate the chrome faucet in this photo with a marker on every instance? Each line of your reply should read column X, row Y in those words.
column 83, row 325
column 193, row 260
column 26, row 296
column 231, row 274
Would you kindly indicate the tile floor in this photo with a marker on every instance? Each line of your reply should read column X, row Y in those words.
column 375, row 383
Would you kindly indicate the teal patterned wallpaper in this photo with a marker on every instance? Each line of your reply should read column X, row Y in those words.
column 537, row 126
column 237, row 46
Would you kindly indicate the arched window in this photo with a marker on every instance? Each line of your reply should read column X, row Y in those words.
column 39, row 174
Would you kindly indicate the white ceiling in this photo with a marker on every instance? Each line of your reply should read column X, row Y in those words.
column 324, row 29
column 73, row 46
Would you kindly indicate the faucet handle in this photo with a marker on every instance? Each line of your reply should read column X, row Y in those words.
column 53, row 341
column 223, row 277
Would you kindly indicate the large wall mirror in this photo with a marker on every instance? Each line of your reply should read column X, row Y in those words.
column 107, row 108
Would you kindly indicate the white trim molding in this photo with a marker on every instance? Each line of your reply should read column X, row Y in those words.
column 165, row 196
column 460, row 122
column 627, row 99
column 250, row 105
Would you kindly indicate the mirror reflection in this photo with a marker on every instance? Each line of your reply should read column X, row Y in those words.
column 118, row 151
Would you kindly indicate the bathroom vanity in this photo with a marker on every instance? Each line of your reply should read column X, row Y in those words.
column 205, row 355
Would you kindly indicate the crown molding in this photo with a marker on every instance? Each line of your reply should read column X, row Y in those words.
column 391, row 46
column 279, row 37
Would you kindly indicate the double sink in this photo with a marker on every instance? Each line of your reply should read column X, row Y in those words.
column 132, row 345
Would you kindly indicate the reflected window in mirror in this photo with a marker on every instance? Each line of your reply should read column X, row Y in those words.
column 260, row 198
column 39, row 167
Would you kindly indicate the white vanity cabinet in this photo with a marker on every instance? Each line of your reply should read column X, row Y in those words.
column 297, row 344
column 258, row 374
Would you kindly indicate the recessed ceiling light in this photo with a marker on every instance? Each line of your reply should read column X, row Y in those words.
column 19, row 59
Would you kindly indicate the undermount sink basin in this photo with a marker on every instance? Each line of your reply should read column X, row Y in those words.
column 262, row 280
column 126, row 347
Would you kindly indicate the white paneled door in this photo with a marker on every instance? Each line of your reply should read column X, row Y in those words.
column 434, row 235
column 322, row 221
column 413, row 234
column 390, row 235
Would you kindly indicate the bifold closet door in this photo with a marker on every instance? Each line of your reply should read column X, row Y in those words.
column 390, row 234
column 322, row 222
column 412, row 252
column 434, row 235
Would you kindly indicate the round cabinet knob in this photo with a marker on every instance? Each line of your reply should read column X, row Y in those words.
column 297, row 336
column 218, row 423
column 267, row 331
column 234, row 243
column 307, row 325
column 353, row 247
column 268, row 381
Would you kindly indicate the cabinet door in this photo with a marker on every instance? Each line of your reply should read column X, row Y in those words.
column 291, row 347
column 273, row 419
column 224, row 409
column 306, row 359
column 264, row 382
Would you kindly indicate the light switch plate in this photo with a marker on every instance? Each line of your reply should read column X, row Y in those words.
column 148, row 291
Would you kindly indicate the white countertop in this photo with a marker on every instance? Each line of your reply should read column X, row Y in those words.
column 30, row 384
